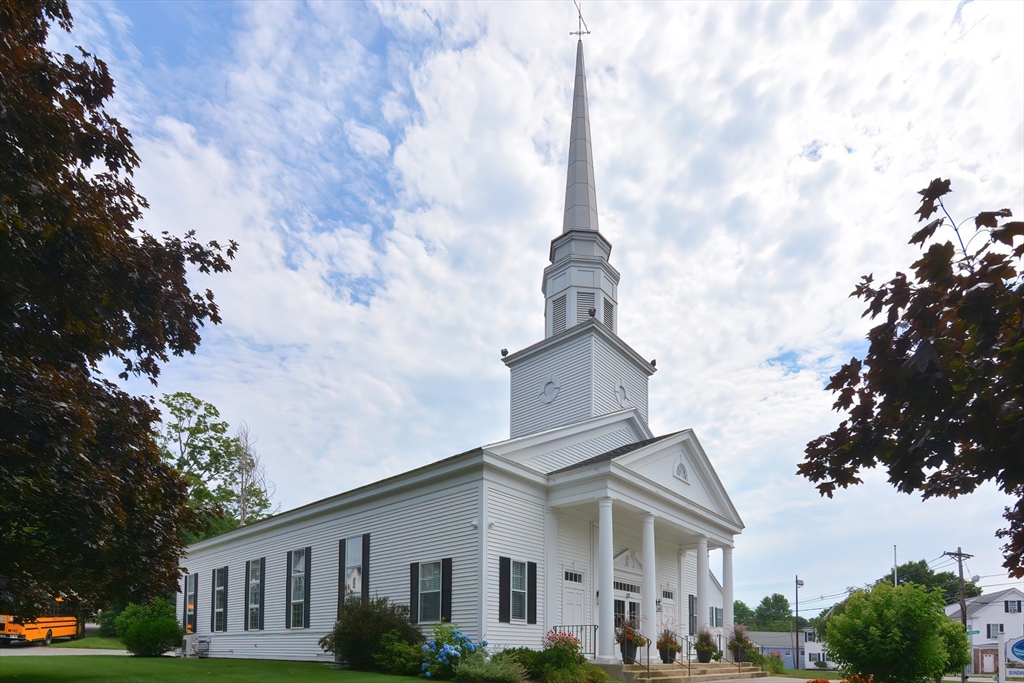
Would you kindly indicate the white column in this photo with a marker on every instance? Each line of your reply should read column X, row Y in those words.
column 553, row 584
column 606, row 590
column 683, row 627
column 649, row 578
column 703, row 601
column 728, row 619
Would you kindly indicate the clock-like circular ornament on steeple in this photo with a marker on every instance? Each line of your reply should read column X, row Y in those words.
column 549, row 387
column 622, row 394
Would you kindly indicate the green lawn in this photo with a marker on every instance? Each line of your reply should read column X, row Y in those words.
column 91, row 643
column 112, row 669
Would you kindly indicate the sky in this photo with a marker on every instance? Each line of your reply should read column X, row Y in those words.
column 394, row 174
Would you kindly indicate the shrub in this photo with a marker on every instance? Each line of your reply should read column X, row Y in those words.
column 774, row 663
column 149, row 630
column 530, row 659
column 357, row 636
column 584, row 672
column 476, row 668
column 398, row 657
column 106, row 619
column 445, row 651
column 561, row 651
column 821, row 665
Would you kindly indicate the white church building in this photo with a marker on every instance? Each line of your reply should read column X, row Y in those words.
column 581, row 518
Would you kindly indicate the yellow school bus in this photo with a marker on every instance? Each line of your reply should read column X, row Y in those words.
column 60, row 621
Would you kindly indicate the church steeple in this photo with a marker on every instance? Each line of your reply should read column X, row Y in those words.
column 582, row 369
column 580, row 283
column 580, row 192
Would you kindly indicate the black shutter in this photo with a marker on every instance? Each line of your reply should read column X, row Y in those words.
column 263, row 583
column 213, row 602
column 366, row 568
column 505, row 590
column 184, row 605
column 195, row 605
column 288, row 592
column 309, row 582
column 446, row 589
column 225, row 599
column 245, row 600
column 531, row 592
column 341, row 575
column 414, row 593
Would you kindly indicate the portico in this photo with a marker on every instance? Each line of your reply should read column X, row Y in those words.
column 631, row 497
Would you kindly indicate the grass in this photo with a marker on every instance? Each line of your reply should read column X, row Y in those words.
column 90, row 643
column 107, row 669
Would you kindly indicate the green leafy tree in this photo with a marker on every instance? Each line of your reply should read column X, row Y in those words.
column 741, row 613
column 87, row 507
column 226, row 482
column 947, row 583
column 938, row 401
column 773, row 613
column 898, row 634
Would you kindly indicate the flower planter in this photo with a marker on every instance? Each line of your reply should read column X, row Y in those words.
column 738, row 654
column 667, row 655
column 628, row 652
column 703, row 656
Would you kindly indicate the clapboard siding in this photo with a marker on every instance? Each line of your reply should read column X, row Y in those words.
column 611, row 366
column 563, row 457
column 518, row 533
column 574, row 553
column 419, row 528
column 571, row 364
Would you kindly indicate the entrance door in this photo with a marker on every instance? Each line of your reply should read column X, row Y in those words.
column 621, row 605
column 669, row 620
column 988, row 666
column 572, row 607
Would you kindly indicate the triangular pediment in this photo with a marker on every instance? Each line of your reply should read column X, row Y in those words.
column 680, row 464
column 628, row 561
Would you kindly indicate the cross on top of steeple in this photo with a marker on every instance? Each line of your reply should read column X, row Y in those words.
column 582, row 24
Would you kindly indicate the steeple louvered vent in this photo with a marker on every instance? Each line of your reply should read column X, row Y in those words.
column 558, row 315
column 584, row 302
column 609, row 315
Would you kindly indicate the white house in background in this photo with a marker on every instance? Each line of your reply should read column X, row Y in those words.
column 987, row 614
column 582, row 518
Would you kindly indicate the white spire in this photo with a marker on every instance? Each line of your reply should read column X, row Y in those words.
column 580, row 192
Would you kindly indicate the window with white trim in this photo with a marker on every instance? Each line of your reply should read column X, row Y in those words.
column 353, row 567
column 993, row 630
column 573, row 577
column 430, row 592
column 298, row 588
column 518, row 591
column 220, row 591
column 1011, row 606
column 190, row 603
column 255, row 587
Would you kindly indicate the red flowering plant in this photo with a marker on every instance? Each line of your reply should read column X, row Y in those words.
column 629, row 632
column 562, row 650
column 668, row 641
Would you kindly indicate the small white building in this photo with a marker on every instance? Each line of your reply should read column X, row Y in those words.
column 987, row 615
column 580, row 519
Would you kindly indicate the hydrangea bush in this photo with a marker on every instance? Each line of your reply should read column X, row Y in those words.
column 446, row 648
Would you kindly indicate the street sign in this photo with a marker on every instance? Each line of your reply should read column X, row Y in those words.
column 973, row 633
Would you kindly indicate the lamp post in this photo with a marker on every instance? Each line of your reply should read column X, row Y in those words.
column 796, row 626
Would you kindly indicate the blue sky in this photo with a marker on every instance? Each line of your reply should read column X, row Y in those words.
column 394, row 173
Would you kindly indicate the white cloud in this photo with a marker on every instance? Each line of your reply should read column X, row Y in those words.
column 394, row 175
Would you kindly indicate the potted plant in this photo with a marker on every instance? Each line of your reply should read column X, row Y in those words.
column 629, row 638
column 705, row 645
column 740, row 642
column 668, row 646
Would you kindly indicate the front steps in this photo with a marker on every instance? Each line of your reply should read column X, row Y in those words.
column 677, row 673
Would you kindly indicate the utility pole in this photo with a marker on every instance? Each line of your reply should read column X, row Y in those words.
column 895, row 568
column 796, row 625
column 960, row 557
